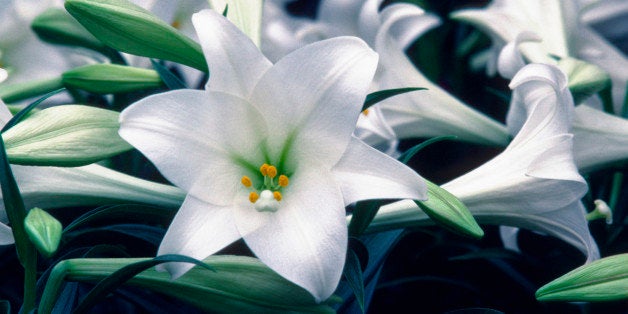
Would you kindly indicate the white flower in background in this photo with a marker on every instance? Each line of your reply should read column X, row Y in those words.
column 21, row 50
column 56, row 187
column 558, row 24
column 610, row 19
column 429, row 113
column 599, row 138
column 534, row 183
column 266, row 153
column 418, row 114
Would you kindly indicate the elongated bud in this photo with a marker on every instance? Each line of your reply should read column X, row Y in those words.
column 56, row 26
column 585, row 79
column 111, row 78
column 129, row 28
column 449, row 212
column 68, row 135
column 43, row 230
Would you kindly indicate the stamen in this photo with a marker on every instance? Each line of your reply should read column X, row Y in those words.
column 253, row 197
column 365, row 112
column 283, row 181
column 277, row 195
column 246, row 181
column 271, row 171
column 176, row 24
column 264, row 169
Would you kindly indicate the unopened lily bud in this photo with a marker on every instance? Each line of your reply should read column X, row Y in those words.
column 43, row 230
column 129, row 28
column 111, row 78
column 56, row 26
column 585, row 79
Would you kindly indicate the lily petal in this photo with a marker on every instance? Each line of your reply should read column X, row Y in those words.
column 510, row 60
column 430, row 113
column 599, row 138
column 198, row 230
column 235, row 74
column 305, row 241
column 365, row 173
column 213, row 154
column 313, row 103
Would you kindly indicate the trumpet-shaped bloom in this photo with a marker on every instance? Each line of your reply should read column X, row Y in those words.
column 558, row 24
column 419, row 114
column 266, row 153
column 426, row 113
column 534, row 183
column 608, row 18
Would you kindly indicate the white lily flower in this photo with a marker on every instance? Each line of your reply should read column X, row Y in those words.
column 534, row 183
column 427, row 113
column 563, row 35
column 266, row 153
column 608, row 18
column 599, row 138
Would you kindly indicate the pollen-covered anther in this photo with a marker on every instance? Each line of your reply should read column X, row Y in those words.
column 365, row 112
column 264, row 169
column 283, row 181
column 253, row 197
column 271, row 171
column 277, row 195
column 246, row 181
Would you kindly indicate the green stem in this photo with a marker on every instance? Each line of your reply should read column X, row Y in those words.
column 30, row 280
column 607, row 100
column 20, row 91
column 618, row 179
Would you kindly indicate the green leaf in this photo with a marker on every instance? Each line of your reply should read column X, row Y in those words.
column 378, row 96
column 408, row 154
column 68, row 135
column 602, row 280
column 56, row 26
column 43, row 230
column 126, row 212
column 127, row 27
column 124, row 274
column 447, row 210
column 111, row 78
column 20, row 115
column 5, row 306
column 363, row 213
column 238, row 285
column 354, row 276
column 171, row 80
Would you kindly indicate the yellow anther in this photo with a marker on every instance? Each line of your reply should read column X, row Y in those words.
column 365, row 112
column 277, row 195
column 253, row 197
column 176, row 24
column 246, row 181
column 283, row 181
column 271, row 171
column 264, row 169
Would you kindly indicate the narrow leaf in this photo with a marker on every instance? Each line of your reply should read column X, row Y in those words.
column 171, row 80
column 27, row 110
column 125, row 212
column 124, row 274
column 353, row 274
column 378, row 96
column 408, row 154
column 602, row 280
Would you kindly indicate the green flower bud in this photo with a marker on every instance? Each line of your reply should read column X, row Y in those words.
column 69, row 135
column 603, row 280
column 43, row 230
column 447, row 210
column 111, row 78
column 585, row 79
column 129, row 28
column 56, row 26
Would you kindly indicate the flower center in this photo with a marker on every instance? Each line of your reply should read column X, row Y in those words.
column 268, row 199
